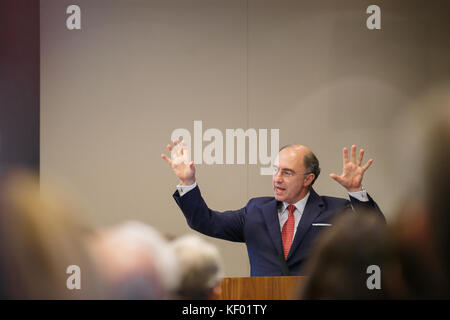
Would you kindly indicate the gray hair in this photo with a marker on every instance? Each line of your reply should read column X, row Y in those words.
column 141, row 255
column 200, row 264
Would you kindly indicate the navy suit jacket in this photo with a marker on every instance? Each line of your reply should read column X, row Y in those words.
column 258, row 226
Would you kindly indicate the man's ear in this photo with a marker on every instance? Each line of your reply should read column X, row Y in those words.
column 309, row 179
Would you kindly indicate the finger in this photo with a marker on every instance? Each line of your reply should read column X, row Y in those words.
column 353, row 154
column 185, row 150
column 345, row 155
column 361, row 154
column 176, row 149
column 172, row 150
column 367, row 165
column 335, row 177
column 183, row 143
column 166, row 158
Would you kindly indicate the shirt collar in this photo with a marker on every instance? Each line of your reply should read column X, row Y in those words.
column 299, row 205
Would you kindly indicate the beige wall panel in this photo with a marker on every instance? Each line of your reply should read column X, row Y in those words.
column 113, row 92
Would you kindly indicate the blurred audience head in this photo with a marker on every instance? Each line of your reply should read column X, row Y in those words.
column 136, row 262
column 422, row 224
column 418, row 255
column 339, row 266
column 201, row 268
column 438, row 187
column 40, row 237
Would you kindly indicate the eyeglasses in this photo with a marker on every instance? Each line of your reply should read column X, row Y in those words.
column 286, row 173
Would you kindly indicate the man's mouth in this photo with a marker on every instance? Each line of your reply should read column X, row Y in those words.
column 278, row 190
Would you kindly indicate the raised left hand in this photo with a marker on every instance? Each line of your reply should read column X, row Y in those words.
column 352, row 173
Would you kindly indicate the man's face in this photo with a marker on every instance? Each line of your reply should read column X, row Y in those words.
column 290, row 183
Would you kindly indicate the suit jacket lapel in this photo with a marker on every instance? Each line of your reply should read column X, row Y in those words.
column 270, row 214
column 313, row 208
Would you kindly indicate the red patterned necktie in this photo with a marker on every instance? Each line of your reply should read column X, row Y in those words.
column 287, row 232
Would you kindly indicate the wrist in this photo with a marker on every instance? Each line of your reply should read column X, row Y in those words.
column 187, row 182
column 357, row 189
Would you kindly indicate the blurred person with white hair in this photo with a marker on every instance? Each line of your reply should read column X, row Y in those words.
column 136, row 262
column 201, row 268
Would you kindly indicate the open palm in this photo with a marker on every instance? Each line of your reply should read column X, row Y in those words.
column 352, row 173
column 181, row 163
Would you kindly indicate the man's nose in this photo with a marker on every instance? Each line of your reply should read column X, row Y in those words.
column 278, row 177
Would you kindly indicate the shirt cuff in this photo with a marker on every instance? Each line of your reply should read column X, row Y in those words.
column 360, row 195
column 182, row 190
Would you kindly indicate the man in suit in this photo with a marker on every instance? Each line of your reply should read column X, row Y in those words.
column 279, row 231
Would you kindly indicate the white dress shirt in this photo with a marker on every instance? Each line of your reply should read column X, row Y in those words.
column 283, row 212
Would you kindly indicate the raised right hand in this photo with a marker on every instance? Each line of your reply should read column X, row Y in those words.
column 181, row 163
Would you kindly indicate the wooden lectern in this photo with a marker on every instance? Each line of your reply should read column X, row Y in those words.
column 261, row 288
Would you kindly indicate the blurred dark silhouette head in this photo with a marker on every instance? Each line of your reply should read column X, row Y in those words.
column 339, row 266
column 438, row 182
